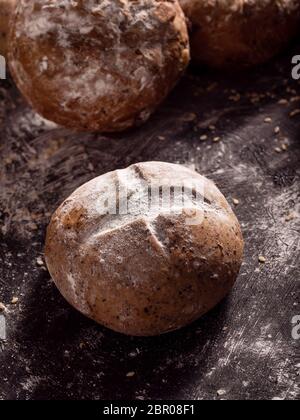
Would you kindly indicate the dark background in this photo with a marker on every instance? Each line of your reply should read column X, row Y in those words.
column 243, row 347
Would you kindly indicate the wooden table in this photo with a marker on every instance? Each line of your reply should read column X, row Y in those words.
column 241, row 350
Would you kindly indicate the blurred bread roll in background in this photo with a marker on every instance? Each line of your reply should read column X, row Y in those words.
column 6, row 9
column 235, row 34
column 98, row 65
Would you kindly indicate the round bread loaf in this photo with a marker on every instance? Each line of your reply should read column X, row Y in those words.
column 98, row 65
column 234, row 34
column 6, row 8
column 145, row 250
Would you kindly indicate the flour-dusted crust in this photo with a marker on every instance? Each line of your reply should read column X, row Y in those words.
column 233, row 34
column 6, row 9
column 98, row 65
column 144, row 273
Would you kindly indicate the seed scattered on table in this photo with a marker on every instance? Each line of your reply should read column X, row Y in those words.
column 277, row 130
column 291, row 216
column 224, row 328
column 262, row 259
column 295, row 99
column 294, row 113
column 236, row 202
column 130, row 374
column 14, row 300
column 212, row 87
column 283, row 102
column 39, row 261
column 221, row 392
column 189, row 117
column 235, row 98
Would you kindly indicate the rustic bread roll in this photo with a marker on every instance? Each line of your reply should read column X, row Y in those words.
column 235, row 34
column 98, row 65
column 156, row 268
column 6, row 8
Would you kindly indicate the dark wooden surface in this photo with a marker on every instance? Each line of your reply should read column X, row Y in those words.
column 244, row 346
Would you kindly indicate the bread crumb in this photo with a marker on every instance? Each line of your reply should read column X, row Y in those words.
column 216, row 139
column 204, row 137
column 262, row 259
column 236, row 202
column 130, row 374
column 14, row 300
column 284, row 147
column 278, row 150
column 268, row 120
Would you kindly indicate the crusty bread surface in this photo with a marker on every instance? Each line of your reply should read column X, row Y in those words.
column 144, row 272
column 236, row 34
column 6, row 9
column 101, row 65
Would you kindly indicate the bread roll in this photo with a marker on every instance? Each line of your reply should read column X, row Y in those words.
column 98, row 65
column 6, row 8
column 143, row 266
column 235, row 34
